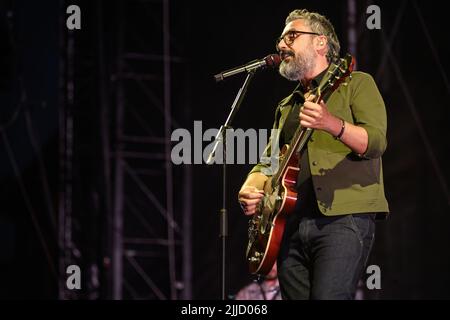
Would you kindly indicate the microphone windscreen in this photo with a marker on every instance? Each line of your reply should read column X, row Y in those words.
column 273, row 60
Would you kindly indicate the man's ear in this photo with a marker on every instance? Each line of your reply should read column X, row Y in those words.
column 321, row 44
column 322, row 41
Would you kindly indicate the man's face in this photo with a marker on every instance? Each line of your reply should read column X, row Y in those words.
column 296, row 51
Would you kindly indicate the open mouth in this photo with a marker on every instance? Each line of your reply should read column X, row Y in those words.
column 285, row 54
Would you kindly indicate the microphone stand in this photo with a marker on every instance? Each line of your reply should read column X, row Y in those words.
column 222, row 137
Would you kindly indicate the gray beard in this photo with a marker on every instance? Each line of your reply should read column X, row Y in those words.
column 298, row 68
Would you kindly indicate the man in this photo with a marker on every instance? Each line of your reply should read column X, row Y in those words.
column 267, row 289
column 328, row 237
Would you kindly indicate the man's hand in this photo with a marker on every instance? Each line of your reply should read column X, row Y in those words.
column 249, row 198
column 316, row 116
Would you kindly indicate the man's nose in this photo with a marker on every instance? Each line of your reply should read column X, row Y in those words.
column 282, row 45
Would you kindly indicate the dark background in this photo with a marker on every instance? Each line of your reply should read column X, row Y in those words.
column 60, row 92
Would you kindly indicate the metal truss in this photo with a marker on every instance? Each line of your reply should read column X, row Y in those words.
column 151, row 228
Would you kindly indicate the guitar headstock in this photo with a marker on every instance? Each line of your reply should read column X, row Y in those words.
column 336, row 74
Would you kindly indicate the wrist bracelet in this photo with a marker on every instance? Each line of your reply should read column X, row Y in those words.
column 338, row 137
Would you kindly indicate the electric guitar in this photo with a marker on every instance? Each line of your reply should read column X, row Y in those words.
column 266, row 227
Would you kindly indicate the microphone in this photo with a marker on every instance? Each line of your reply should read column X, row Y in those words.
column 272, row 60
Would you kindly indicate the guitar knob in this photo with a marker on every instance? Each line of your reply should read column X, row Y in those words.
column 254, row 259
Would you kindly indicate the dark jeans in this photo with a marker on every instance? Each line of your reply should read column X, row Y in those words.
column 324, row 257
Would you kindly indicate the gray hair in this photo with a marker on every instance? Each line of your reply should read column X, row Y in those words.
column 320, row 24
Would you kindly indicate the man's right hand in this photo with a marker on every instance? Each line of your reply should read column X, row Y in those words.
column 249, row 198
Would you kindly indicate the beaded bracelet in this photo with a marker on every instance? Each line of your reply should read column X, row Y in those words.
column 338, row 137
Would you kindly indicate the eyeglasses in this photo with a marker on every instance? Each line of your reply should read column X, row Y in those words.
column 290, row 36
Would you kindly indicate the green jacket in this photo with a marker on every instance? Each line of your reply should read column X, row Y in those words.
column 345, row 182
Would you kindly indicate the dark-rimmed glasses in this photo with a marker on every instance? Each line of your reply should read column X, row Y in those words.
column 290, row 36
